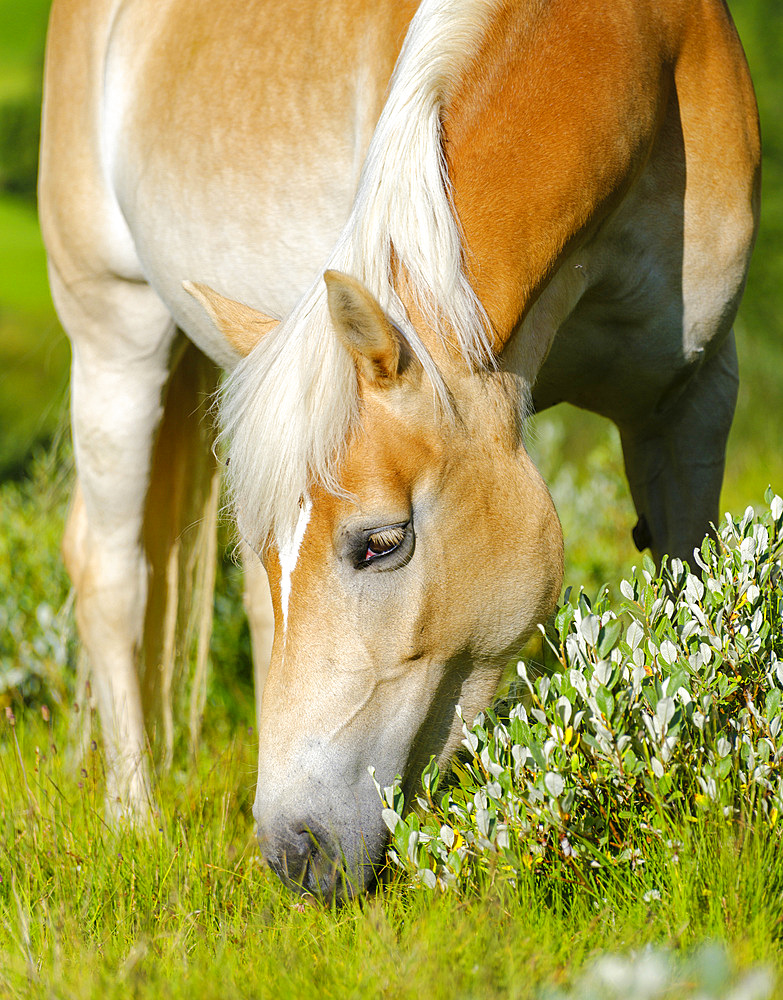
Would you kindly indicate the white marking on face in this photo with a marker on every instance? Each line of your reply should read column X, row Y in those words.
column 288, row 554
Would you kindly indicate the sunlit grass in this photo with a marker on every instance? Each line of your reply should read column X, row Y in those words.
column 91, row 910
column 86, row 910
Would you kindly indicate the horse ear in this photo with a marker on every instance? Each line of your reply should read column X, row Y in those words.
column 379, row 349
column 242, row 326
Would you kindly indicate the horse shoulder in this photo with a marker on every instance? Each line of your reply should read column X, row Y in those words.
column 557, row 120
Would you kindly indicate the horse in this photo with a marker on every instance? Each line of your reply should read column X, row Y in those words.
column 385, row 232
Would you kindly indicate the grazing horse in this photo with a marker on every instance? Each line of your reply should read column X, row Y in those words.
column 398, row 229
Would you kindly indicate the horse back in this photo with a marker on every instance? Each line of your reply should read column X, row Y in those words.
column 225, row 142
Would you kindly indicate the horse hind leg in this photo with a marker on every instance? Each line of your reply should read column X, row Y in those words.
column 675, row 461
column 180, row 542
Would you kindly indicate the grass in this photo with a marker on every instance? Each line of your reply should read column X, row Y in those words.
column 88, row 911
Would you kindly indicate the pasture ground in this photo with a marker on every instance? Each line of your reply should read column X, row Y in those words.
column 189, row 911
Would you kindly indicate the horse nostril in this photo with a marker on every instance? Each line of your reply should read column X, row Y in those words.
column 294, row 852
column 306, row 860
column 305, row 839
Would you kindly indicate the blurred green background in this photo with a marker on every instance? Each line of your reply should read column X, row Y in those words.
column 578, row 454
column 33, row 352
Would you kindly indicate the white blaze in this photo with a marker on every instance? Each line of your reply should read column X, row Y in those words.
column 288, row 554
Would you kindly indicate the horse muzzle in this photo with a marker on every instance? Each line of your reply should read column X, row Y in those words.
column 312, row 863
column 334, row 857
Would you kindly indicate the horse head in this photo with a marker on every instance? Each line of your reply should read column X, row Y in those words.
column 398, row 596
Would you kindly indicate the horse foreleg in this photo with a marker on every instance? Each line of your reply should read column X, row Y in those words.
column 675, row 461
column 117, row 386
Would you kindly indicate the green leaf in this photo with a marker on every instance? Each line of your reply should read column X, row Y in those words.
column 608, row 636
column 605, row 702
column 430, row 778
column 391, row 818
column 537, row 754
column 723, row 767
column 678, row 678
column 563, row 620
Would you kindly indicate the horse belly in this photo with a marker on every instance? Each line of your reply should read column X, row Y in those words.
column 662, row 280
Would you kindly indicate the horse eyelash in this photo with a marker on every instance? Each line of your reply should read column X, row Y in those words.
column 386, row 539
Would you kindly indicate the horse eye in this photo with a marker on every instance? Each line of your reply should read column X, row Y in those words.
column 379, row 549
column 384, row 542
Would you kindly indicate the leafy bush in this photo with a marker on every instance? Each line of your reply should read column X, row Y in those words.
column 674, row 706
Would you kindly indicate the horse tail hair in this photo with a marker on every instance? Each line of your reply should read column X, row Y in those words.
column 180, row 538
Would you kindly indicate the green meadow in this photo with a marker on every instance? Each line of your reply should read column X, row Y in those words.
column 695, row 909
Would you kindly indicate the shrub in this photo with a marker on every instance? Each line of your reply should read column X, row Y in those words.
column 671, row 707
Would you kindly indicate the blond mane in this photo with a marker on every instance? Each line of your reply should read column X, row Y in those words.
column 288, row 408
